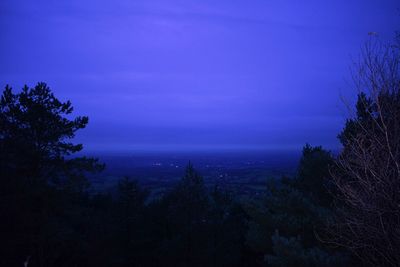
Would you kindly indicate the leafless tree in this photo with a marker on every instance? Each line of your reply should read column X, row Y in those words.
column 367, row 175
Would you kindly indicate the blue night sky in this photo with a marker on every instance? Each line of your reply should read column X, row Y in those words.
column 194, row 74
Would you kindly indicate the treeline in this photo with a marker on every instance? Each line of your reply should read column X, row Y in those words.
column 336, row 211
column 50, row 219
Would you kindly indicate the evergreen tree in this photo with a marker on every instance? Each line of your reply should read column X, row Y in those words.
column 130, row 224
column 313, row 174
column 41, row 181
column 35, row 130
column 187, row 209
column 297, row 208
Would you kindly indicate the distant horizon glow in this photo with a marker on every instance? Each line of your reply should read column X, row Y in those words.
column 195, row 75
column 112, row 148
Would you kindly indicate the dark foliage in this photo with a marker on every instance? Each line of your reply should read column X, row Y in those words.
column 42, row 187
column 34, row 139
column 49, row 218
column 367, row 176
column 284, row 228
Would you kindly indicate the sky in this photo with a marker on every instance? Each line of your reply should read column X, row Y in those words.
column 195, row 74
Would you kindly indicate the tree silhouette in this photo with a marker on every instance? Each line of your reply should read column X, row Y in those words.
column 35, row 130
column 284, row 226
column 41, row 181
column 368, row 173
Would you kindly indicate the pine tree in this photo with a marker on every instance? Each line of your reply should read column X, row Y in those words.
column 41, row 181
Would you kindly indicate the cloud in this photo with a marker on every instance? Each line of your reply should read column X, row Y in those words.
column 193, row 71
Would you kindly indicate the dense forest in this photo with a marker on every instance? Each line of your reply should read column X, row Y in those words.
column 338, row 210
